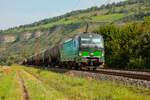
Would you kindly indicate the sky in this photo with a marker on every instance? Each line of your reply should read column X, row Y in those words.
column 20, row 12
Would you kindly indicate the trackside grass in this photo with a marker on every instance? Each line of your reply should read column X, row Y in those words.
column 40, row 91
column 48, row 85
column 9, row 87
column 74, row 88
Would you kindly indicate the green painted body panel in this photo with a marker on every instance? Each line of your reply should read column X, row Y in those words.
column 91, row 53
column 97, row 54
column 69, row 50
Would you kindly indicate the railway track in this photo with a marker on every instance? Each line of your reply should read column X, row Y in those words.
column 134, row 74
column 128, row 74
column 140, row 79
column 143, row 75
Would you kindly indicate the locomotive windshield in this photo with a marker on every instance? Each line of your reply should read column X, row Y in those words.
column 92, row 42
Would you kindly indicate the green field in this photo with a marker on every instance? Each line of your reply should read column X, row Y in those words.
column 47, row 85
column 111, row 17
column 77, row 19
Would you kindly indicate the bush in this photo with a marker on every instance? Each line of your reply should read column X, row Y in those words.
column 136, row 63
column 127, row 46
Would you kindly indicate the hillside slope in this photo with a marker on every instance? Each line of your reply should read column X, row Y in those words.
column 20, row 42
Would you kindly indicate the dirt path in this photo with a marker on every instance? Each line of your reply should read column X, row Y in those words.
column 23, row 87
column 38, row 81
column 49, row 92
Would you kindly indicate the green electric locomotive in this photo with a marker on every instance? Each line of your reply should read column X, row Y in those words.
column 84, row 51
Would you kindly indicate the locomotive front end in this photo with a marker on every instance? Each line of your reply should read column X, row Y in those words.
column 91, row 50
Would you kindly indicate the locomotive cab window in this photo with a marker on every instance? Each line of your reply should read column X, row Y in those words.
column 92, row 42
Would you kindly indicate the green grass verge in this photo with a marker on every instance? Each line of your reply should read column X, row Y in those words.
column 47, row 85
column 9, row 88
column 39, row 91
column 75, row 88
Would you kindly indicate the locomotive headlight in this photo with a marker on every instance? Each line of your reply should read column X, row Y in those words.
column 80, row 54
column 92, row 54
column 84, row 54
column 103, row 54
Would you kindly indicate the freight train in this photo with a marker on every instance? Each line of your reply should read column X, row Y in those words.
column 84, row 51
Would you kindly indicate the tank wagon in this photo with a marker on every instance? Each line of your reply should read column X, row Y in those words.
column 85, row 50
